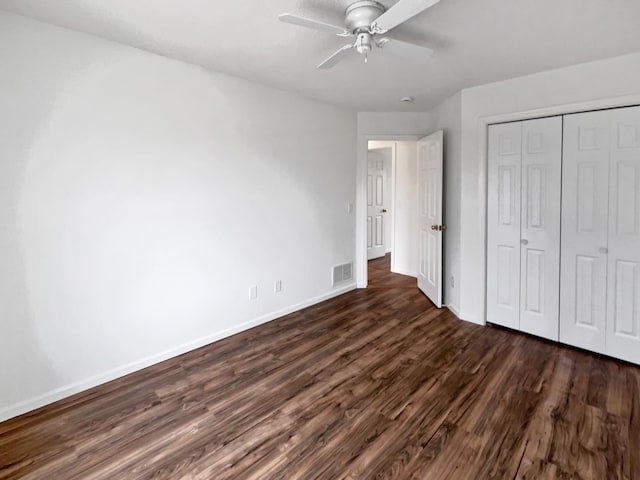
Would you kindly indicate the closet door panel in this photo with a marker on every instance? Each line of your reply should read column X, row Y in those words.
column 585, row 178
column 540, row 226
column 503, row 217
column 623, row 300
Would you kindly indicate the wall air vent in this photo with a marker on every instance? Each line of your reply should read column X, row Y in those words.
column 342, row 273
column 346, row 272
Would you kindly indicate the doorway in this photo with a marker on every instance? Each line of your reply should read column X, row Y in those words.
column 402, row 206
column 391, row 208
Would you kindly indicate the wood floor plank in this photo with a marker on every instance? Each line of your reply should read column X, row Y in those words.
column 374, row 384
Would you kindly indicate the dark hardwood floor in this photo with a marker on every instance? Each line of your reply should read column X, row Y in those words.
column 380, row 275
column 374, row 384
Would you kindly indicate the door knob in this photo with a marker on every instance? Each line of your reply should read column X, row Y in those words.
column 603, row 250
column 434, row 227
column 384, row 210
column 524, row 242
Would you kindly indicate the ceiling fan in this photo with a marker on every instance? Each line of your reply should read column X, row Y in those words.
column 369, row 22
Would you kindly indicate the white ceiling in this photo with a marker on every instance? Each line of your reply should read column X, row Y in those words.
column 476, row 41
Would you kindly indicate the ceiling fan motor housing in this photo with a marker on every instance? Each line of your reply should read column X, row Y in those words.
column 360, row 15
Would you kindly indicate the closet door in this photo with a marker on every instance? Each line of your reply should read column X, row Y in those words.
column 540, row 226
column 585, row 178
column 503, row 221
column 623, row 299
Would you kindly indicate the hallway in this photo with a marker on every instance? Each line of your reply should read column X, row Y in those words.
column 380, row 275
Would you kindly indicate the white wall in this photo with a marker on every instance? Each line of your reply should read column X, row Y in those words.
column 610, row 82
column 140, row 198
column 393, row 123
column 447, row 117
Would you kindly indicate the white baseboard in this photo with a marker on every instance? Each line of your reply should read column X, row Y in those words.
column 453, row 309
column 471, row 319
column 462, row 316
column 82, row 385
column 404, row 272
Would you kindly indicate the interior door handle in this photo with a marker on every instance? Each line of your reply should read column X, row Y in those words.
column 384, row 210
column 524, row 242
column 440, row 228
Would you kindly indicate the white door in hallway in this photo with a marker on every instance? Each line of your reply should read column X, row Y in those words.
column 430, row 228
column 376, row 211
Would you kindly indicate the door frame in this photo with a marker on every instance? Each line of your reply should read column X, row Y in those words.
column 361, row 199
column 483, row 157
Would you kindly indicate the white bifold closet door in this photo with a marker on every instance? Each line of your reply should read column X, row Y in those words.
column 585, row 214
column 600, row 284
column 503, row 219
column 523, row 241
column 623, row 278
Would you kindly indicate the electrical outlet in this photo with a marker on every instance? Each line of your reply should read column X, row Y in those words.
column 349, row 207
column 277, row 286
column 253, row 292
column 452, row 282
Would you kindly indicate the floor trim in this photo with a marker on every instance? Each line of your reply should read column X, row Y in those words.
column 454, row 310
column 404, row 272
column 82, row 385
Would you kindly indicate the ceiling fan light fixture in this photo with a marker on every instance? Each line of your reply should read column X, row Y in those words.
column 367, row 20
column 364, row 43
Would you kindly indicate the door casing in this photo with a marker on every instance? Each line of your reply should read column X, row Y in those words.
column 361, row 199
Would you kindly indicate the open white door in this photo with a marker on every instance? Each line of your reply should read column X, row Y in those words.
column 376, row 198
column 430, row 228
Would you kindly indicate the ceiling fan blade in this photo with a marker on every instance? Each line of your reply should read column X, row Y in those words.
column 335, row 57
column 403, row 49
column 310, row 23
column 400, row 13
